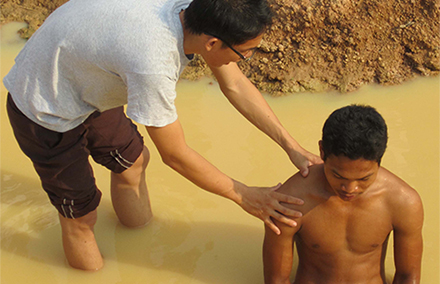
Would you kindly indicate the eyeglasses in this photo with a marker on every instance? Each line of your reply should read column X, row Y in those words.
column 242, row 57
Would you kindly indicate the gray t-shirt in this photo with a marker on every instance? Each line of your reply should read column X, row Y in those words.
column 98, row 55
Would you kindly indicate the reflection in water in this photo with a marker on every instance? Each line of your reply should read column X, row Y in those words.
column 197, row 237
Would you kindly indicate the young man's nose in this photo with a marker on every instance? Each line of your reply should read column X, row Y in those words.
column 350, row 187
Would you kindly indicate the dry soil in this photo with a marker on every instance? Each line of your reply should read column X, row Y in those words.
column 318, row 45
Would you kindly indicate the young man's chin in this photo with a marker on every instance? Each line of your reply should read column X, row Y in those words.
column 219, row 64
column 347, row 197
column 216, row 62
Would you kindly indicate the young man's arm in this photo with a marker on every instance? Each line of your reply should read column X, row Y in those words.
column 250, row 103
column 408, row 242
column 260, row 202
column 278, row 254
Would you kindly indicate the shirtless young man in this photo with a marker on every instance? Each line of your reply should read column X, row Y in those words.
column 351, row 206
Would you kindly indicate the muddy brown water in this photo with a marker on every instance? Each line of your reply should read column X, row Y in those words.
column 197, row 237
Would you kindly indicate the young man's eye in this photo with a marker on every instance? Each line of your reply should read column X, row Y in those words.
column 365, row 178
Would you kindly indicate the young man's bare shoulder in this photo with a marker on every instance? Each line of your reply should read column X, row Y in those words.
column 304, row 187
column 398, row 193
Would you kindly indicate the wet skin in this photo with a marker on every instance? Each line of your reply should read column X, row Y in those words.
column 350, row 208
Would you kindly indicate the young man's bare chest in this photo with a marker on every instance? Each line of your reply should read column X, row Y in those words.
column 335, row 227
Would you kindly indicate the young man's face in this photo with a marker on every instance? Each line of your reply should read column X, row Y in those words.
column 221, row 55
column 349, row 178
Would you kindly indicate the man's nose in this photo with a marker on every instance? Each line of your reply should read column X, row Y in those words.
column 350, row 187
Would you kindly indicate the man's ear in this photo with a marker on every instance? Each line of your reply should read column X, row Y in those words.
column 211, row 42
column 321, row 150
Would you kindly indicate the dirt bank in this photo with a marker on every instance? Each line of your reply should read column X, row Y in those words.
column 319, row 45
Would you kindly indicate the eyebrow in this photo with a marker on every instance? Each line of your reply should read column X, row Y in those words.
column 365, row 177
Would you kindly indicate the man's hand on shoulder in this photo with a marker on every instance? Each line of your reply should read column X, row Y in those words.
column 303, row 159
column 265, row 202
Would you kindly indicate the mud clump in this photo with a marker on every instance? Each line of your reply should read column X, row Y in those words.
column 317, row 46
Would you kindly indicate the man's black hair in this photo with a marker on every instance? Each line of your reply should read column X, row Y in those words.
column 355, row 131
column 235, row 21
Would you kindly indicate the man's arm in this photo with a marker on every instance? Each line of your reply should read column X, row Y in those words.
column 408, row 242
column 245, row 97
column 263, row 203
column 278, row 254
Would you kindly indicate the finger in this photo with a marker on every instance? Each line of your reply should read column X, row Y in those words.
column 284, row 211
column 304, row 167
column 281, row 197
column 272, row 226
column 285, row 220
column 276, row 187
column 304, row 172
column 317, row 160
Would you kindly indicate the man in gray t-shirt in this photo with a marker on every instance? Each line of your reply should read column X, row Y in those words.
column 90, row 58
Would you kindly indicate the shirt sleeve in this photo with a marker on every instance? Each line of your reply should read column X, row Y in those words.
column 151, row 99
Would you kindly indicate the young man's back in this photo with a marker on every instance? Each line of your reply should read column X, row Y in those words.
column 350, row 208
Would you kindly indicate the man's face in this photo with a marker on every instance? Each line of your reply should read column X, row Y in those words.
column 221, row 55
column 349, row 178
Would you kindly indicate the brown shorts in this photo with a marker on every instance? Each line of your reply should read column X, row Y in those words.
column 62, row 159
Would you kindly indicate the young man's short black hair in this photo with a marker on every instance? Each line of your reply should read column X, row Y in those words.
column 235, row 21
column 355, row 131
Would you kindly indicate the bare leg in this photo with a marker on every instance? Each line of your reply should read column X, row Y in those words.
column 130, row 194
column 79, row 242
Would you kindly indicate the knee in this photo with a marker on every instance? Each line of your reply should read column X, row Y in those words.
column 81, row 224
column 142, row 161
column 145, row 157
column 132, row 174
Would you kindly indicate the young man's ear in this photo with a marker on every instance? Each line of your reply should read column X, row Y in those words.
column 211, row 42
column 321, row 150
